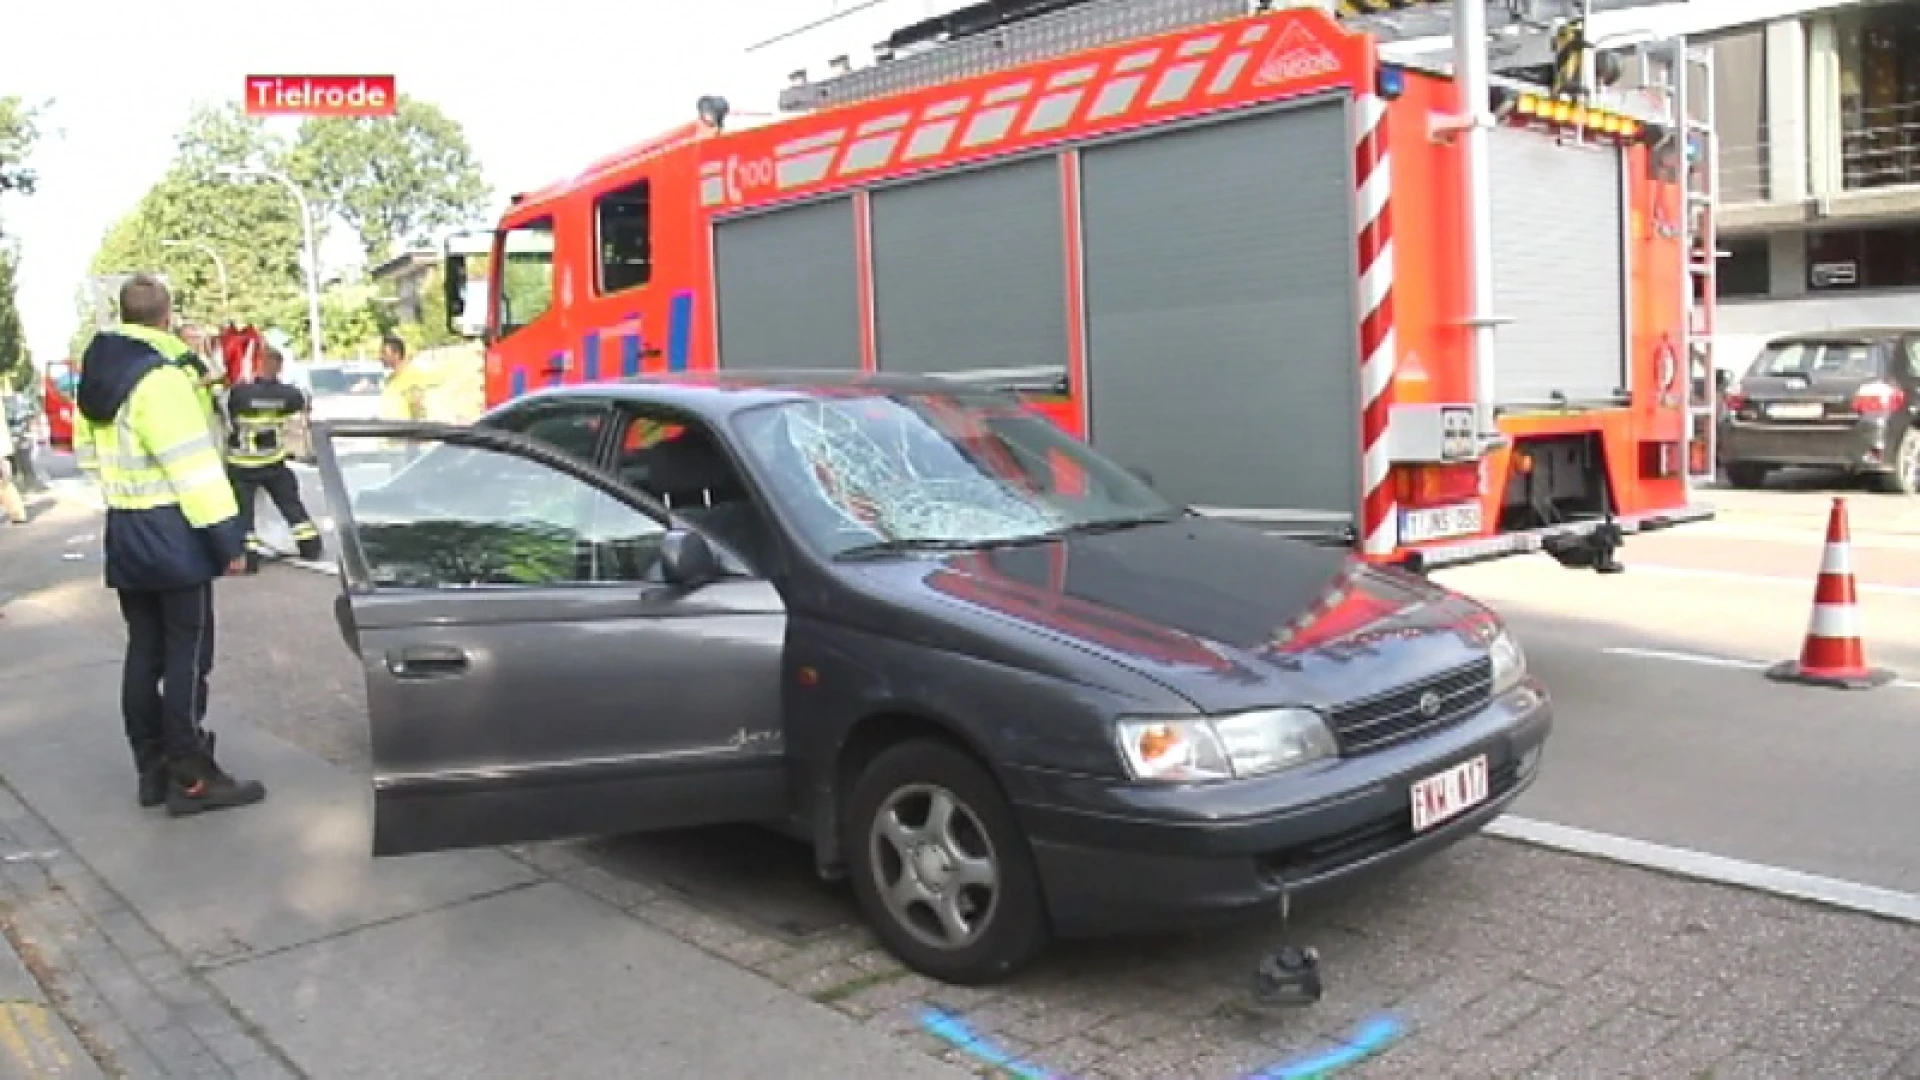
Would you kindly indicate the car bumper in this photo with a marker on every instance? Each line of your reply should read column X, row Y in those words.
column 1123, row 858
column 1865, row 444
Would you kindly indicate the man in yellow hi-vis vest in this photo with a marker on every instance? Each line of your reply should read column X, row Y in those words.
column 172, row 528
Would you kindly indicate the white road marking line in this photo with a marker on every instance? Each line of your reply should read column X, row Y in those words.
column 1766, row 579
column 1717, row 869
column 1715, row 661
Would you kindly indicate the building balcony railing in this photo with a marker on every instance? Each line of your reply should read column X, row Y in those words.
column 1879, row 148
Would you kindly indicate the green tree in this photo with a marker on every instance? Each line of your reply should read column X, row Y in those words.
column 19, row 130
column 396, row 180
column 253, row 226
column 15, row 365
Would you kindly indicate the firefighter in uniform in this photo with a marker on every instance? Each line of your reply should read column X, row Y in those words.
column 172, row 528
column 258, row 415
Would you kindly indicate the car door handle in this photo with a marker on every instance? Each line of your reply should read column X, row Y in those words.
column 427, row 661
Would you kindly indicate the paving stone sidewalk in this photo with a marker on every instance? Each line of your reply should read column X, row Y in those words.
column 1496, row 960
column 139, row 1009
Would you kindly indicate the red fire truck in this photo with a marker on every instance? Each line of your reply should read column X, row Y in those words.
column 57, row 386
column 1437, row 316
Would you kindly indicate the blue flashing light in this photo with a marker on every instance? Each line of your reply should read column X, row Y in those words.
column 1391, row 81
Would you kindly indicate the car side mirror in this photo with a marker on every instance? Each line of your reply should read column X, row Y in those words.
column 1140, row 474
column 453, row 283
column 687, row 560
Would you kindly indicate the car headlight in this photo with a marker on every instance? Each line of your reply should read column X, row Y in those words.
column 1199, row 749
column 1509, row 663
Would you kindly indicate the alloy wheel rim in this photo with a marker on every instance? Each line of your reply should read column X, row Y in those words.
column 934, row 866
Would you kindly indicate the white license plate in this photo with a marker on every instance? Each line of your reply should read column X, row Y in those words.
column 1462, row 519
column 1447, row 795
column 1794, row 410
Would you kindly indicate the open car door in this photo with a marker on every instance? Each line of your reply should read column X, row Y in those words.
column 546, row 656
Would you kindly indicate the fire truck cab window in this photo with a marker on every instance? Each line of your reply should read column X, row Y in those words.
column 623, row 219
column 526, row 274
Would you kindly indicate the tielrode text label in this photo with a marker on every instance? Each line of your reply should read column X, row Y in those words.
column 321, row 95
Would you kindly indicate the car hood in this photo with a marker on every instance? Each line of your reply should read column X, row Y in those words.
column 1223, row 615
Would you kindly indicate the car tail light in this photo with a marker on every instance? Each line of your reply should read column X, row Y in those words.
column 1734, row 400
column 1439, row 485
column 1878, row 399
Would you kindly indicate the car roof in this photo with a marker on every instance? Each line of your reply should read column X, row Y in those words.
column 1844, row 333
column 718, row 395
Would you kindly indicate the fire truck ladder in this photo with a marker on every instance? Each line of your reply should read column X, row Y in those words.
column 1691, row 71
column 998, row 34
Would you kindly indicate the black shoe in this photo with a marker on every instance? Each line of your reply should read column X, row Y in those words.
column 153, row 785
column 198, row 784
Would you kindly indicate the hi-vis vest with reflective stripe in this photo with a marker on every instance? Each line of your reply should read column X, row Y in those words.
column 260, row 412
column 157, row 450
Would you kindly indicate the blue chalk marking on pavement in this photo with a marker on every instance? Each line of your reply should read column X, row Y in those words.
column 1369, row 1039
column 949, row 1028
column 679, row 331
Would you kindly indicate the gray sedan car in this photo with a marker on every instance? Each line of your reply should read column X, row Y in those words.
column 994, row 678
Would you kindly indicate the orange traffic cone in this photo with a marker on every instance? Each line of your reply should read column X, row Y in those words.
column 1834, row 655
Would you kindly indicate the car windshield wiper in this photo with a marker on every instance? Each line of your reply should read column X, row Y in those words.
column 908, row 544
column 1111, row 525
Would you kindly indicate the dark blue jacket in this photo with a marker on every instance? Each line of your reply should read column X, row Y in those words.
column 157, row 548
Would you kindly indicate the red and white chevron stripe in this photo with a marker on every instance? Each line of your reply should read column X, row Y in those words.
column 1379, row 346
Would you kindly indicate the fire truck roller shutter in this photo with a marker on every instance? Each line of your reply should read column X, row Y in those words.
column 788, row 291
column 969, row 271
column 1220, row 283
column 1558, row 269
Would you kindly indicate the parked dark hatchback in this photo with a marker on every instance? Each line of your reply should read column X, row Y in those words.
column 1844, row 399
column 992, row 676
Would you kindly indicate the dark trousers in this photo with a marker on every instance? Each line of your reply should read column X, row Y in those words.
column 163, row 692
column 284, row 489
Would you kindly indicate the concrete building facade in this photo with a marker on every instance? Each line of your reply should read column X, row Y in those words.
column 1818, row 116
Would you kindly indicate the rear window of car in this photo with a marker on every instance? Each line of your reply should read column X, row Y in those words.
column 356, row 381
column 1819, row 358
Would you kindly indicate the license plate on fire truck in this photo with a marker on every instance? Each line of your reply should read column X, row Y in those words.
column 1436, row 523
column 1449, row 794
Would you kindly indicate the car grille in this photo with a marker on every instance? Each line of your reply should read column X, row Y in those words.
column 1329, row 854
column 1381, row 721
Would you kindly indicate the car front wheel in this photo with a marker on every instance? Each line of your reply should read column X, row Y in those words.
column 941, row 867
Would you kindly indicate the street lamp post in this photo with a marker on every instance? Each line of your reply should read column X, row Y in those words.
column 238, row 172
column 219, row 268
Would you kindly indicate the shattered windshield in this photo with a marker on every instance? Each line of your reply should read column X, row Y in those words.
column 923, row 470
